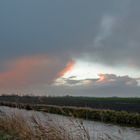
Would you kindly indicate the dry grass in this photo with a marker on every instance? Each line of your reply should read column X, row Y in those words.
column 16, row 126
column 19, row 128
column 54, row 131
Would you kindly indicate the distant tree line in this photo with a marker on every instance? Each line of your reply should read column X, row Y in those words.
column 111, row 103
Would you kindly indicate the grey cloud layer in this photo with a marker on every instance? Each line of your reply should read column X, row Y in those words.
column 70, row 28
column 109, row 80
column 112, row 86
column 106, row 31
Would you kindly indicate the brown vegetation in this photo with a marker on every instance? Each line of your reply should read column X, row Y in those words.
column 16, row 127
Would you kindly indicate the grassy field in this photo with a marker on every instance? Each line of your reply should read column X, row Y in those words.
column 5, row 136
column 107, row 116
column 110, row 103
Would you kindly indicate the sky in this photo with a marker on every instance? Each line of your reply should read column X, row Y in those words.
column 76, row 47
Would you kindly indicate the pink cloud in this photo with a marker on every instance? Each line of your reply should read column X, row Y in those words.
column 33, row 70
column 69, row 66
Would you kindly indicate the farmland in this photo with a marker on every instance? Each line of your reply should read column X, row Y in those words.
column 108, row 110
column 111, row 103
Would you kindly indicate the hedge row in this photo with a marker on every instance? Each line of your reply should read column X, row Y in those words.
column 109, row 116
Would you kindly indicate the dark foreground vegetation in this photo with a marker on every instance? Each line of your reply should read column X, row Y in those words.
column 17, row 127
column 112, row 103
column 107, row 116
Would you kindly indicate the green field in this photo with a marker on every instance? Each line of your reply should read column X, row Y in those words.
column 103, row 115
column 111, row 103
column 122, row 111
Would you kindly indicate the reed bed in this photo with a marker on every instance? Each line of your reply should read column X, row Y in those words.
column 16, row 127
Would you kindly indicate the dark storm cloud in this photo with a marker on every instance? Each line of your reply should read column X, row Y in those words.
column 106, row 31
column 118, row 40
column 55, row 27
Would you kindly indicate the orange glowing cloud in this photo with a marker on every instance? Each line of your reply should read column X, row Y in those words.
column 101, row 77
column 67, row 68
column 19, row 71
column 33, row 70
